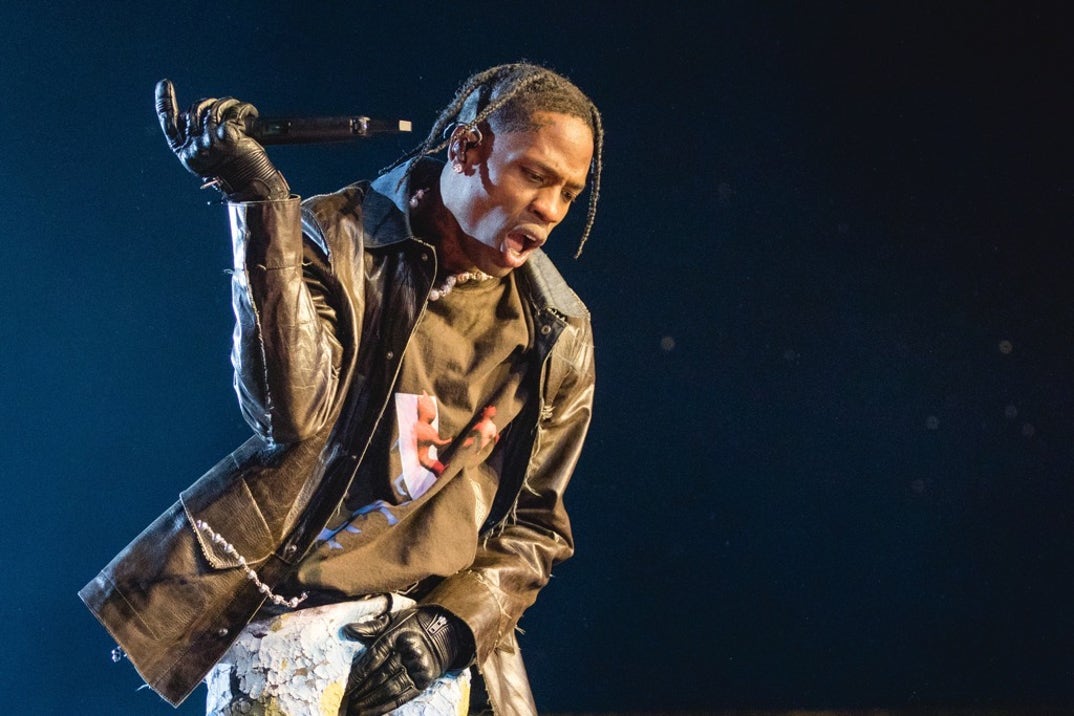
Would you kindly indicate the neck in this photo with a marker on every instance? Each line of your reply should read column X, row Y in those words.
column 431, row 220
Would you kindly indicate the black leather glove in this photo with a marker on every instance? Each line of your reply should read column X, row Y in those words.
column 410, row 649
column 210, row 140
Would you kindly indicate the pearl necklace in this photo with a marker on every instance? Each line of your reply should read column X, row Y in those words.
column 456, row 279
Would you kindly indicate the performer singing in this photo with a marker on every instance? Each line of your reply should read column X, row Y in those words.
column 419, row 378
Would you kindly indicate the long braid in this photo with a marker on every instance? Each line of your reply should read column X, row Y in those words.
column 508, row 96
column 597, row 170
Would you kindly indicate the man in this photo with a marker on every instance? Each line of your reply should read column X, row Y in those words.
column 419, row 379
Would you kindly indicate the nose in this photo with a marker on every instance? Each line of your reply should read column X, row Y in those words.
column 549, row 205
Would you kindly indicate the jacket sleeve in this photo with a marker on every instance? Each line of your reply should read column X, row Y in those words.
column 515, row 559
column 286, row 353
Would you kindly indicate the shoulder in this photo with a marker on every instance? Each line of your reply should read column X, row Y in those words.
column 549, row 293
column 345, row 201
column 549, row 290
column 326, row 216
column 359, row 214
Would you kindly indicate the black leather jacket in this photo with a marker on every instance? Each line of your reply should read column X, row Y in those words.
column 326, row 297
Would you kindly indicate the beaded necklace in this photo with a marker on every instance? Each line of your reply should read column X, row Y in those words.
column 456, row 279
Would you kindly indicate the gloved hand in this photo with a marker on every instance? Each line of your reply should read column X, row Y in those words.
column 412, row 648
column 210, row 140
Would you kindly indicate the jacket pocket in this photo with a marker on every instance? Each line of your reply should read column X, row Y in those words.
column 232, row 513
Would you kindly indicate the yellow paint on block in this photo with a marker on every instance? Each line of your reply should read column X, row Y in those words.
column 272, row 707
column 332, row 698
column 464, row 702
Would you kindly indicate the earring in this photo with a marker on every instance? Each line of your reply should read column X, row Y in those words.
column 458, row 149
column 463, row 139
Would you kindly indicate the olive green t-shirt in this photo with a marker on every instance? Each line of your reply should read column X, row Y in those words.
column 430, row 476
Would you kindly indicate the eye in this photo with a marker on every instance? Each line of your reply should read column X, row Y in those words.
column 533, row 176
column 569, row 197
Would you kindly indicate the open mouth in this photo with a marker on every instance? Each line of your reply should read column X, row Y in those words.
column 518, row 246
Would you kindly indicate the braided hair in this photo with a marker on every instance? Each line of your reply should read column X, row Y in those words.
column 507, row 97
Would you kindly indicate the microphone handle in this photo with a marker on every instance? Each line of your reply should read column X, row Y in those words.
column 308, row 130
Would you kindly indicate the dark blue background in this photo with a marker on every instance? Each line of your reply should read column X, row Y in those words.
column 814, row 479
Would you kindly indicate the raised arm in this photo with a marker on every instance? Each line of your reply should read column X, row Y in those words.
column 285, row 352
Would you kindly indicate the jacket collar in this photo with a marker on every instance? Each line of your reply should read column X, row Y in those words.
column 386, row 219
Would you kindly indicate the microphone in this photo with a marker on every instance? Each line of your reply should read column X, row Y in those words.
column 307, row 130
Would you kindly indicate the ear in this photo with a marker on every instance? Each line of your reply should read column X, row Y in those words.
column 465, row 139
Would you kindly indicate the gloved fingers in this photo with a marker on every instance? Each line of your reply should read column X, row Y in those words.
column 402, row 669
column 236, row 120
column 241, row 112
column 167, row 112
column 418, row 661
column 220, row 120
column 368, row 630
column 218, row 111
column 375, row 683
column 206, row 114
column 372, row 668
column 196, row 116
column 393, row 691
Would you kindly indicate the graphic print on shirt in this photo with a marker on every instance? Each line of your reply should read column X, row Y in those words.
column 328, row 534
column 417, row 449
column 484, row 431
column 419, row 437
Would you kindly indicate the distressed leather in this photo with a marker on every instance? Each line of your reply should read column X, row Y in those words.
column 326, row 296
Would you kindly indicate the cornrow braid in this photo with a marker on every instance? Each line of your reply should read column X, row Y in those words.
column 507, row 97
column 598, row 165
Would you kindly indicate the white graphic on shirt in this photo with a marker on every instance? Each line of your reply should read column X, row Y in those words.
column 419, row 437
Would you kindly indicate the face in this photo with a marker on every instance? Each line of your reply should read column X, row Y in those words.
column 514, row 188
